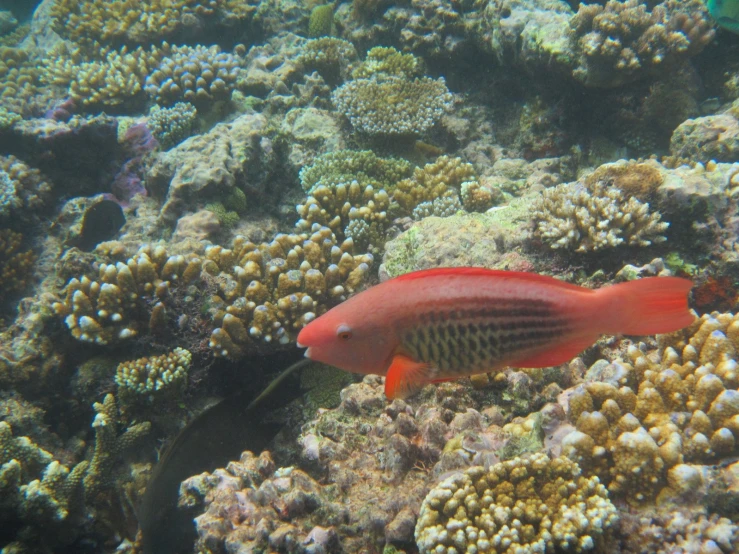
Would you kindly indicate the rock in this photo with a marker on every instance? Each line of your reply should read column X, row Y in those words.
column 713, row 137
column 201, row 225
column 206, row 167
column 461, row 240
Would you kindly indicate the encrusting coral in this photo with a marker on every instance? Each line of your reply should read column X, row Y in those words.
column 670, row 408
column 533, row 504
column 622, row 41
column 588, row 219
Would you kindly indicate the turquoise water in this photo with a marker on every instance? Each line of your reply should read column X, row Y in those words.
column 185, row 185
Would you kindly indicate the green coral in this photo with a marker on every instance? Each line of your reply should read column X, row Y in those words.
column 363, row 166
column 321, row 22
column 227, row 218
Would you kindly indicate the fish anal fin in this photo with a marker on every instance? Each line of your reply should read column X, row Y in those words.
column 557, row 354
column 405, row 377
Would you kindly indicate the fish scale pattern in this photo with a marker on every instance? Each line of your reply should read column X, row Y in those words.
column 477, row 339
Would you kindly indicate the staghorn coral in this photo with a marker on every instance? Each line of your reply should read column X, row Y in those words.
column 199, row 75
column 345, row 166
column 15, row 265
column 155, row 379
column 623, row 41
column 127, row 296
column 573, row 217
column 393, row 106
column 668, row 409
column 170, row 126
column 143, row 22
column 110, row 445
column 533, row 504
column 438, row 179
column 36, row 489
column 268, row 292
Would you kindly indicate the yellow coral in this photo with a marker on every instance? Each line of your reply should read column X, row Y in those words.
column 533, row 504
column 438, row 179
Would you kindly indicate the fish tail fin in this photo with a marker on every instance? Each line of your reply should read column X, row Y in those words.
column 647, row 306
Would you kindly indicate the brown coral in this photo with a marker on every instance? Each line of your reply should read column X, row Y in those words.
column 443, row 177
column 638, row 179
column 15, row 265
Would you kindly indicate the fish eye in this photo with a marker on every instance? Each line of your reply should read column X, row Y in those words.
column 344, row 332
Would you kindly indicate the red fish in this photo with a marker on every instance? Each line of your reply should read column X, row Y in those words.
column 441, row 324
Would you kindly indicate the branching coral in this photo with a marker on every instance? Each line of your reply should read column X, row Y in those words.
column 199, row 75
column 445, row 206
column 153, row 379
column 110, row 444
column 393, row 106
column 345, row 166
column 126, row 297
column 621, row 41
column 438, row 179
column 32, row 190
column 267, row 292
column 20, row 78
column 670, row 408
column 573, row 217
column 534, row 504
column 389, row 62
column 331, row 57
column 15, row 264
column 170, row 126
column 137, row 22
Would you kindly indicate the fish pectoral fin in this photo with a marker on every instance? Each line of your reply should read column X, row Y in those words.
column 556, row 355
column 405, row 377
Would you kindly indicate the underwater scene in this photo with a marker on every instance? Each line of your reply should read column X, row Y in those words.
column 369, row 276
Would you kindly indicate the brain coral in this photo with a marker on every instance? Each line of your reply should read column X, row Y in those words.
column 534, row 504
column 393, row 106
column 573, row 217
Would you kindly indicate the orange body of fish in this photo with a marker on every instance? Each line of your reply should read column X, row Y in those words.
column 441, row 324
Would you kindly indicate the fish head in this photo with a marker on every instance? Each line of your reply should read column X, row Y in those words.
column 348, row 340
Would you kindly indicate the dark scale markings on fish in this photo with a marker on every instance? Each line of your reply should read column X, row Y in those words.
column 476, row 338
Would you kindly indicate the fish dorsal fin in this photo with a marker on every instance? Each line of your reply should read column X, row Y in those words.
column 493, row 273
column 557, row 354
column 405, row 377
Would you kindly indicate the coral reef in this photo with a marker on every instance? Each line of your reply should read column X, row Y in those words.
column 170, row 126
column 155, row 379
column 713, row 137
column 331, row 57
column 623, row 40
column 446, row 206
column 15, row 264
column 127, row 297
column 534, row 504
column 668, row 410
column 198, row 75
column 581, row 219
column 132, row 22
column 267, row 292
column 393, row 106
column 443, row 177
column 345, row 166
column 23, row 189
column 321, row 22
